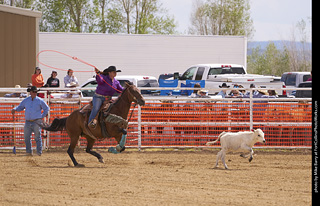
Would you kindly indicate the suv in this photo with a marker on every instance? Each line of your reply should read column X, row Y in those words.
column 137, row 80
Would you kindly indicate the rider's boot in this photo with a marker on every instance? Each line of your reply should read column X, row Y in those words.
column 93, row 124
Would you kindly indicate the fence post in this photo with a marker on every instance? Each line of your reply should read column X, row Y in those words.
column 251, row 109
column 139, row 127
column 47, row 98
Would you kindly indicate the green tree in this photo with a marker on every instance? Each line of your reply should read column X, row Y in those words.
column 18, row 3
column 66, row 15
column 270, row 62
column 221, row 17
column 146, row 17
column 295, row 55
column 105, row 16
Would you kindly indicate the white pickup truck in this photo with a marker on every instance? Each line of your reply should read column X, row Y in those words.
column 231, row 74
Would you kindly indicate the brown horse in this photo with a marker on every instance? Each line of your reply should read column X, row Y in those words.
column 75, row 124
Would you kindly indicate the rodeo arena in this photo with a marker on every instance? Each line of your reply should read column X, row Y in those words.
column 187, row 125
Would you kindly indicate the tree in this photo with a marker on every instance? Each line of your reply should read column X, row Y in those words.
column 299, row 53
column 104, row 16
column 127, row 6
column 147, row 17
column 270, row 62
column 294, row 55
column 66, row 15
column 221, row 17
column 18, row 3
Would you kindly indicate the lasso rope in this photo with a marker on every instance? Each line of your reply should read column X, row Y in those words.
column 72, row 57
column 76, row 59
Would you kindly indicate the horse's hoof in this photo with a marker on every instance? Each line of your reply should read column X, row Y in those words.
column 101, row 160
column 113, row 150
column 120, row 149
column 80, row 165
column 123, row 149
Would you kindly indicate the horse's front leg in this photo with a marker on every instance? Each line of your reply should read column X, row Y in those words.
column 121, row 146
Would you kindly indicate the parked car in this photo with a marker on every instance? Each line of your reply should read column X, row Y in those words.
column 293, row 79
column 137, row 80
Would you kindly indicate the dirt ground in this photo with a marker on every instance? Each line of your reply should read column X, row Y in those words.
column 156, row 178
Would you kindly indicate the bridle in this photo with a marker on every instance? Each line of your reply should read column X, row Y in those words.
column 135, row 100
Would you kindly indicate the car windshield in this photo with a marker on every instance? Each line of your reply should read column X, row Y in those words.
column 306, row 77
column 226, row 70
column 289, row 79
column 188, row 74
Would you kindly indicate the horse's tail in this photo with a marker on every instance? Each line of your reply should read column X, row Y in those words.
column 56, row 125
column 211, row 143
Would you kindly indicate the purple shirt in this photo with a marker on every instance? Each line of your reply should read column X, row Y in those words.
column 105, row 89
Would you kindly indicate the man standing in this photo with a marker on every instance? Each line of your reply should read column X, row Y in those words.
column 33, row 106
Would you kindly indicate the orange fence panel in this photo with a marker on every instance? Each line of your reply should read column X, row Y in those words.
column 182, row 124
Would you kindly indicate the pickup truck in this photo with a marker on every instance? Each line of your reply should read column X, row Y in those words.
column 231, row 74
column 293, row 79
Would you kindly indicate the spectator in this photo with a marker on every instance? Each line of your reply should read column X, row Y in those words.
column 195, row 92
column 203, row 93
column 16, row 94
column 261, row 93
column 223, row 93
column 236, row 93
column 33, row 106
column 53, row 81
column 310, row 78
column 37, row 78
column 272, row 94
column 71, row 94
column 69, row 78
column 254, row 92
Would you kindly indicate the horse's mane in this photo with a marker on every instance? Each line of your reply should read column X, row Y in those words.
column 120, row 96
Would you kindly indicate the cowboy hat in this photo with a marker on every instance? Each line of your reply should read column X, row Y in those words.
column 33, row 89
column 111, row 69
column 224, row 85
column 203, row 91
column 263, row 91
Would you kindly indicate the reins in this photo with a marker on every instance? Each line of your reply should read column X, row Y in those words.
column 134, row 106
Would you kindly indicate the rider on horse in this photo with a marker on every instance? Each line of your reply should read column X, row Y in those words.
column 107, row 86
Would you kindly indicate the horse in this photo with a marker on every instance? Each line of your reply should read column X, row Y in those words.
column 75, row 124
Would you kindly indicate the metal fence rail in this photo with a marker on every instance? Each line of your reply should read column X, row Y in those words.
column 182, row 122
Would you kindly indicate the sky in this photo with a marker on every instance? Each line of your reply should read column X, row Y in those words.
column 272, row 19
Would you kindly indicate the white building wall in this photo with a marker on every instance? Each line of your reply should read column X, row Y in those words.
column 137, row 54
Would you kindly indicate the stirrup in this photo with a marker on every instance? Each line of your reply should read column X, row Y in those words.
column 93, row 124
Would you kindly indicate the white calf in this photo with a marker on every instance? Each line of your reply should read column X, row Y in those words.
column 238, row 142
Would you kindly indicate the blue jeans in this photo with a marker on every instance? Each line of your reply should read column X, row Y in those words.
column 96, row 102
column 34, row 127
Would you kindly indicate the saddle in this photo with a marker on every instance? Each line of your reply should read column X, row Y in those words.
column 104, row 107
column 103, row 117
